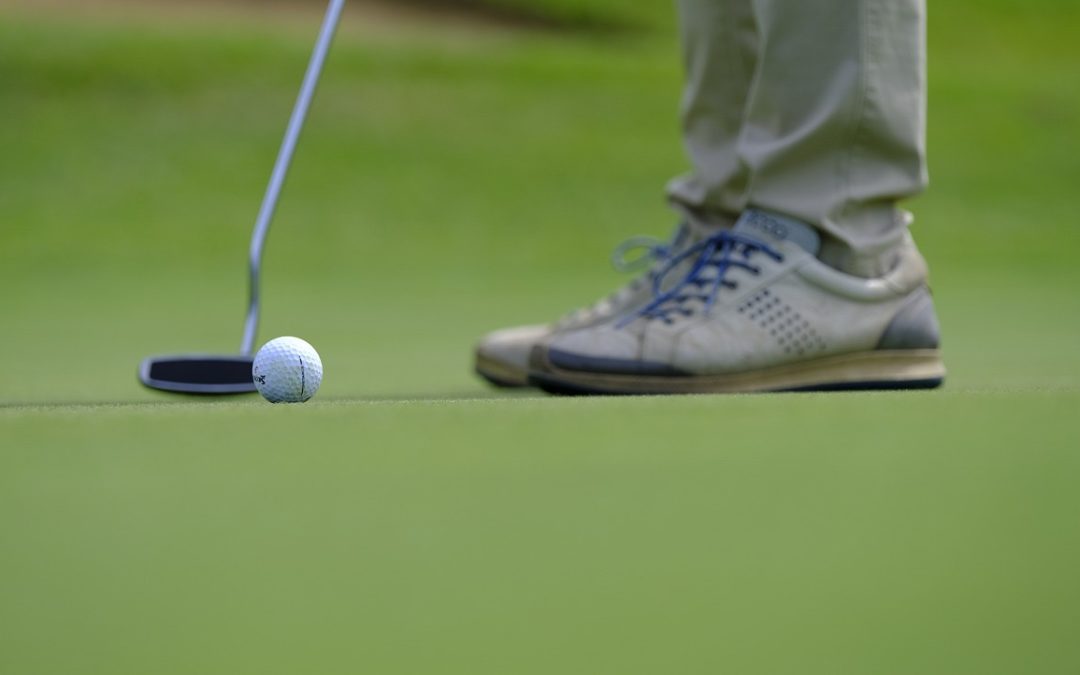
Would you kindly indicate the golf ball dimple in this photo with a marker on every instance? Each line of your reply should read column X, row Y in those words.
column 287, row 370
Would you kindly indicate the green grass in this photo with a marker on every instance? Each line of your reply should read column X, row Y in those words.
column 411, row 521
column 538, row 536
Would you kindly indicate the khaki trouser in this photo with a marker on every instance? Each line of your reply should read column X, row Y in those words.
column 811, row 108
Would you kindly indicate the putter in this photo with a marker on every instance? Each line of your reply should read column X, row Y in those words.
column 231, row 373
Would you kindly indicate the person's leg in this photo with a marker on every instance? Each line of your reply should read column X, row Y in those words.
column 833, row 131
column 720, row 47
column 817, row 286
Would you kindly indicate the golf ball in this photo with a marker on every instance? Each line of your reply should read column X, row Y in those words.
column 287, row 370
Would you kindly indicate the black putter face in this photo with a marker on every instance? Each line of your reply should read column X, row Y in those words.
column 198, row 374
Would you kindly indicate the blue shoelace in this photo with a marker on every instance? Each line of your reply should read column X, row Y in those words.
column 713, row 259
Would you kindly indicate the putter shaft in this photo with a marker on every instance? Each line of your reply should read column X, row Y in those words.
column 281, row 168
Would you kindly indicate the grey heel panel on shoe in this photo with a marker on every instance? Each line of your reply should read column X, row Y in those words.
column 915, row 327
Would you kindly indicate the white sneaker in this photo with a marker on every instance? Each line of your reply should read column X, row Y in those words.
column 757, row 311
column 502, row 357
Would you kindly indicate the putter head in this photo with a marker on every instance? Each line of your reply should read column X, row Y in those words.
column 198, row 373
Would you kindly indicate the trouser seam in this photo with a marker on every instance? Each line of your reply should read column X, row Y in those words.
column 864, row 85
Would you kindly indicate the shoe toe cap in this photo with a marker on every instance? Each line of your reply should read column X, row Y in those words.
column 603, row 350
column 603, row 341
column 510, row 347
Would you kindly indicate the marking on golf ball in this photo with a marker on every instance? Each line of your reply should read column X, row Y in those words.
column 287, row 370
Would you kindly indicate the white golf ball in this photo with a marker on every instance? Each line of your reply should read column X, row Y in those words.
column 287, row 370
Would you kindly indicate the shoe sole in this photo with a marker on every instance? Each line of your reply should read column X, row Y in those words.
column 500, row 374
column 877, row 370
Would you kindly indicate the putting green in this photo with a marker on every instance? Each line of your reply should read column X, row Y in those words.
column 411, row 520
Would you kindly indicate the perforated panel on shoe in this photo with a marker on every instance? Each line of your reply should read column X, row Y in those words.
column 792, row 332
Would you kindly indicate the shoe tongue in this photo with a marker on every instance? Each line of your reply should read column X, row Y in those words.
column 773, row 228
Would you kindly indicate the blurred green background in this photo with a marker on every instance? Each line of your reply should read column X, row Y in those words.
column 465, row 170
column 456, row 176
